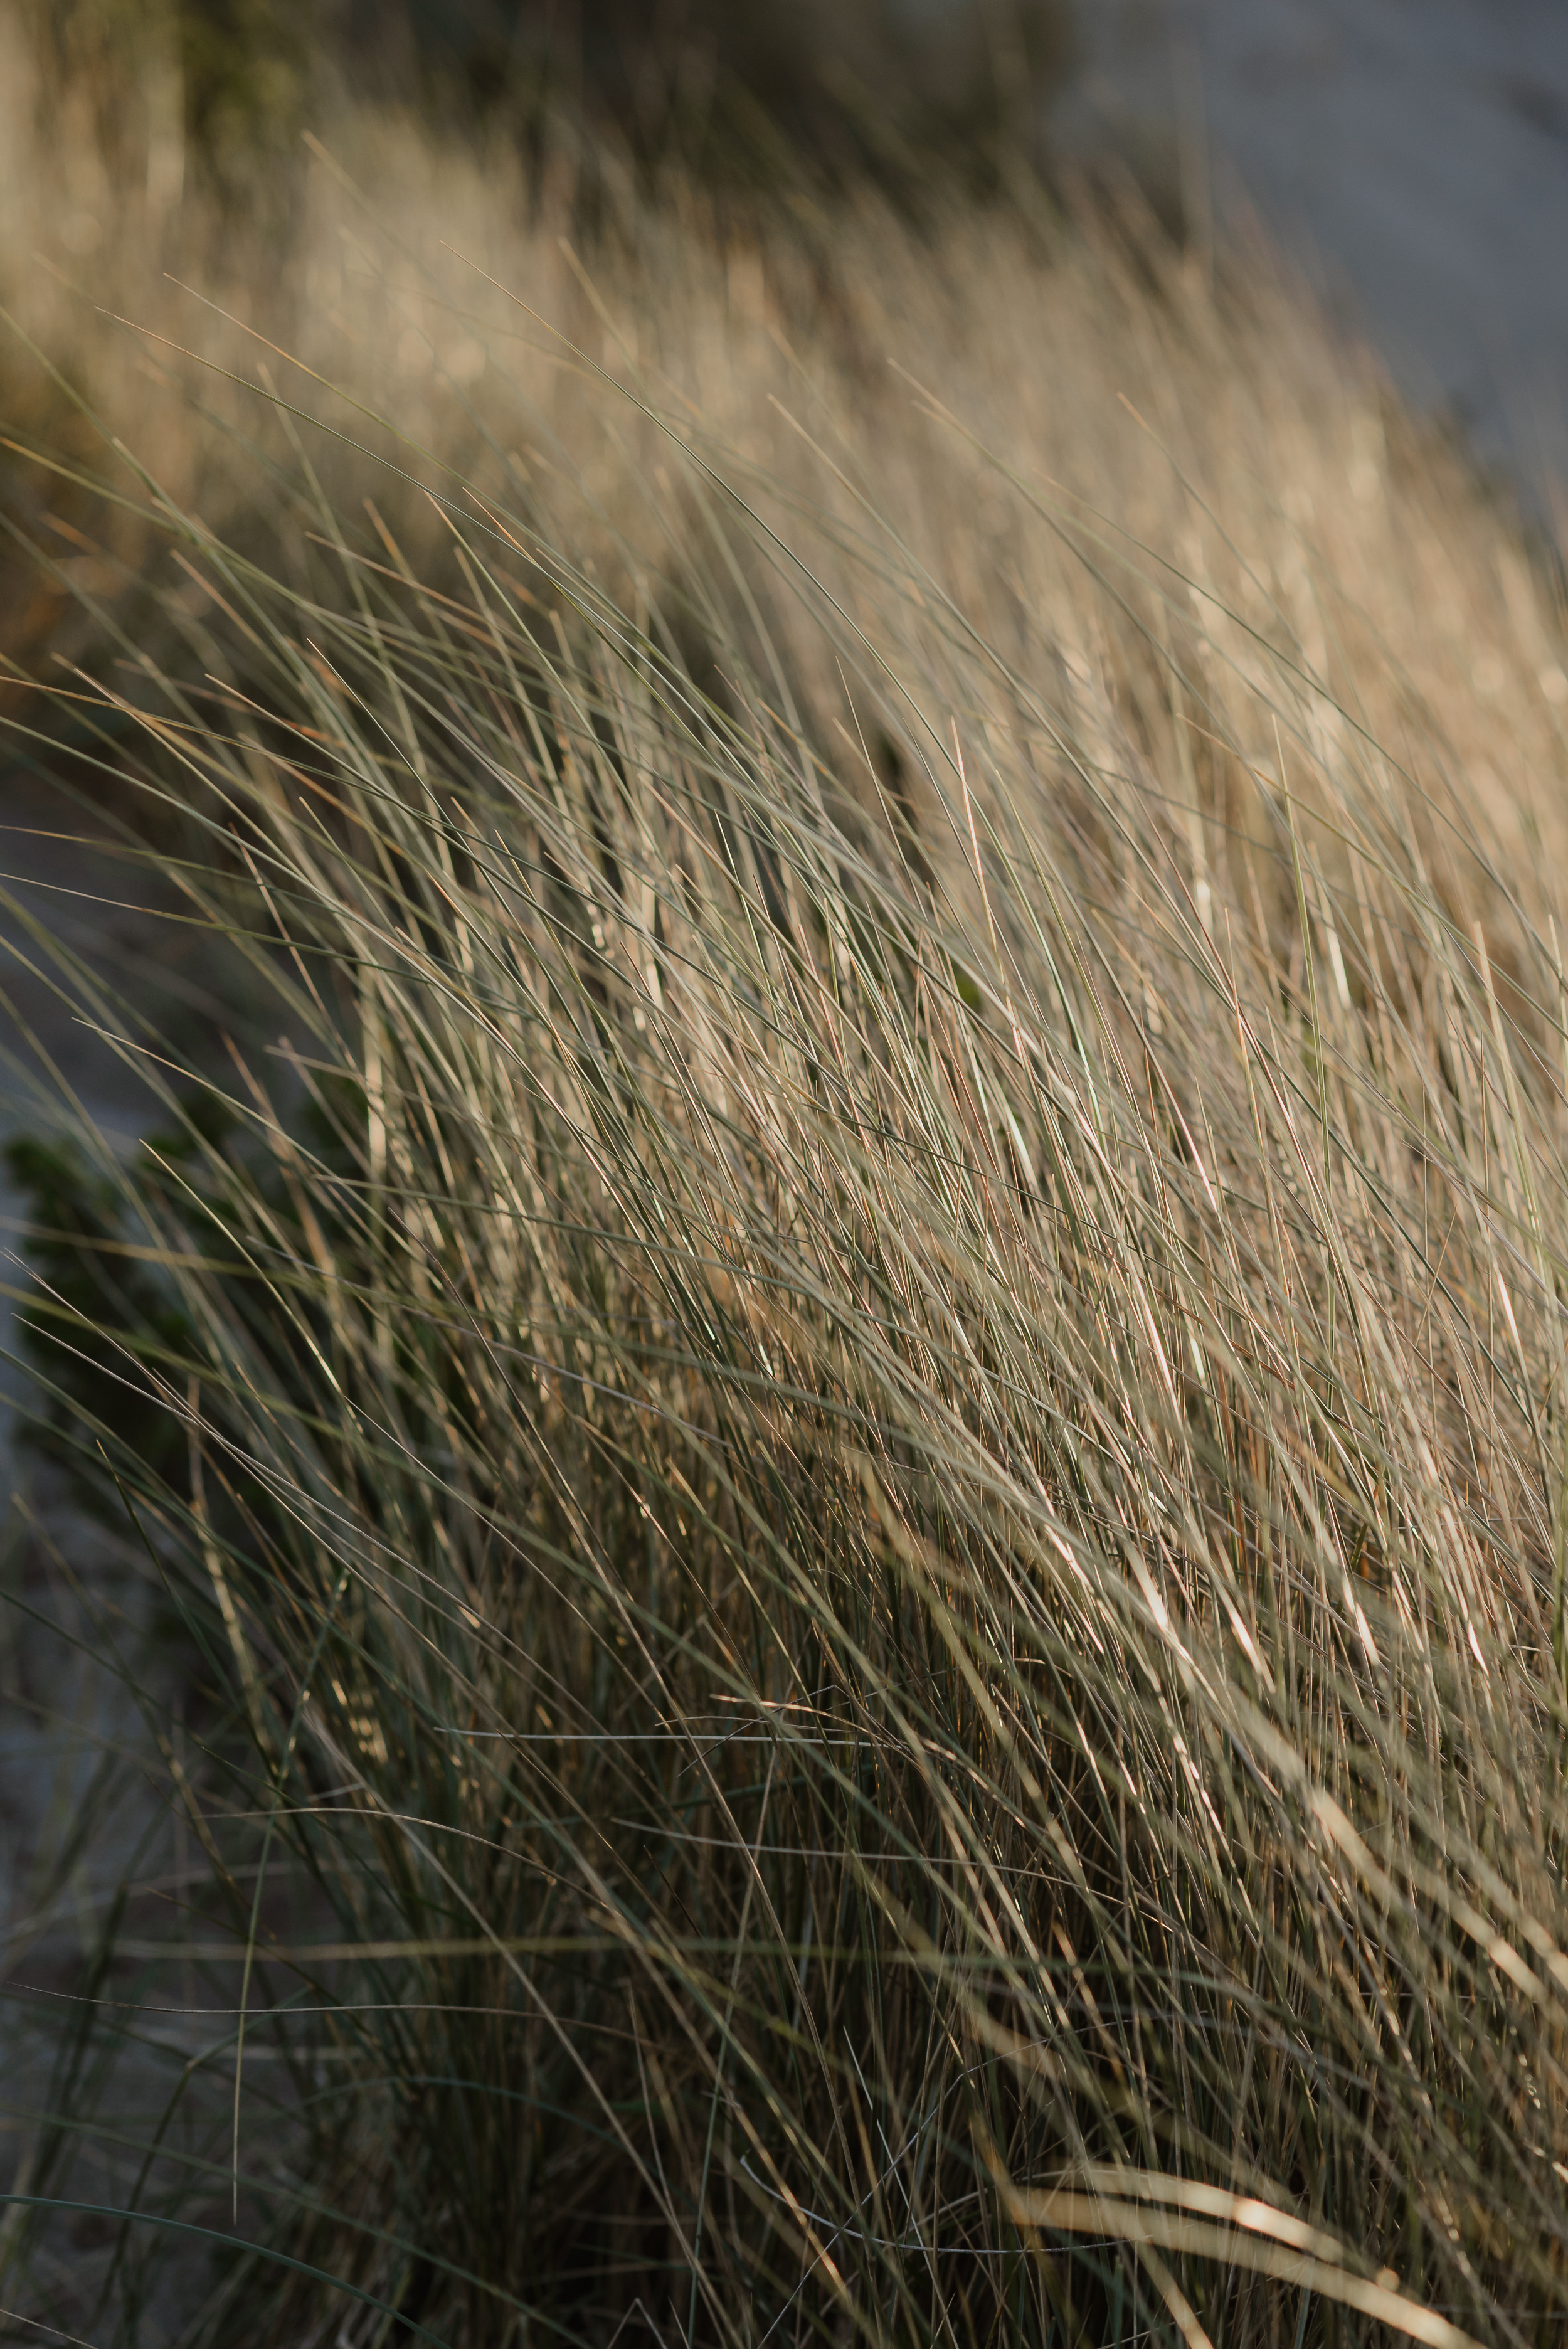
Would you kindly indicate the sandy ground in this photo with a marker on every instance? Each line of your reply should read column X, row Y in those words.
column 91, row 1674
column 1413, row 153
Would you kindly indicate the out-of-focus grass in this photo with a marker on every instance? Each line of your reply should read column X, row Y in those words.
column 861, row 1426
column 741, row 93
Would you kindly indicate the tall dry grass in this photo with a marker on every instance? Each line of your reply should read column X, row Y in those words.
column 861, row 1425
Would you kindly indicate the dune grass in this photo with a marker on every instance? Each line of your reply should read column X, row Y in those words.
column 856, row 1407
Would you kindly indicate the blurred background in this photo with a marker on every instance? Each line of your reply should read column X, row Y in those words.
column 1412, row 155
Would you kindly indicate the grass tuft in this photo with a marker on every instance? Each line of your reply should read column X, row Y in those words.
column 857, row 1421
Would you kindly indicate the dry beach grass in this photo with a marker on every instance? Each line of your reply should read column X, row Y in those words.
column 857, row 1410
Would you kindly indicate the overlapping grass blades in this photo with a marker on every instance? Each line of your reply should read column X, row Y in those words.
column 866, row 1430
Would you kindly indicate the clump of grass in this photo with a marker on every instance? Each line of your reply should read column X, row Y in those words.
column 861, row 1426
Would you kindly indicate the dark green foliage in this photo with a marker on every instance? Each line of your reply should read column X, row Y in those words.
column 225, row 85
column 247, row 67
column 751, row 96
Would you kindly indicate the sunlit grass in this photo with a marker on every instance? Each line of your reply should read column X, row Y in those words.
column 858, row 1417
